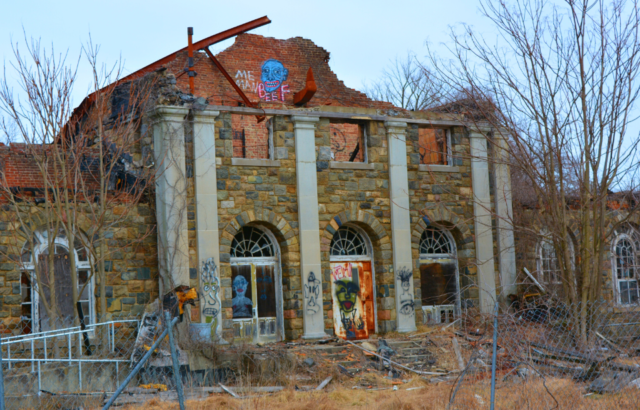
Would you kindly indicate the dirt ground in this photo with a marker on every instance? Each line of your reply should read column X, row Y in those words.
column 510, row 395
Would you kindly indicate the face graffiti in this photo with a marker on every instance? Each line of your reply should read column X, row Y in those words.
column 273, row 75
column 347, row 293
column 406, row 298
column 311, row 293
column 240, row 303
column 210, row 285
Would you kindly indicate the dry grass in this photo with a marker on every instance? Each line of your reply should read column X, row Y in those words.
column 511, row 395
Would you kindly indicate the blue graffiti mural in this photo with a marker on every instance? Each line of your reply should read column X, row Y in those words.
column 273, row 75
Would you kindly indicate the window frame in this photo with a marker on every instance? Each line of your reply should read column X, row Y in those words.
column 28, row 267
column 448, row 157
column 632, row 235
column 363, row 125
column 270, row 144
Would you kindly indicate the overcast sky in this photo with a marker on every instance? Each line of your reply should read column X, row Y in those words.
column 362, row 36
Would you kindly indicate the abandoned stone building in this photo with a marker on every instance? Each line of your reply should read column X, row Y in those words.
column 310, row 211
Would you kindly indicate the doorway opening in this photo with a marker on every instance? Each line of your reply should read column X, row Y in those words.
column 439, row 276
column 256, row 286
column 352, row 284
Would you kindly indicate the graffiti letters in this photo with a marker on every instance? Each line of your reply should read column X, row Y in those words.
column 210, row 285
column 405, row 275
column 311, row 293
column 271, row 85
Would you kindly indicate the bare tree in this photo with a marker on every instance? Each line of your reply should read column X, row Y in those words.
column 563, row 82
column 88, row 178
column 408, row 84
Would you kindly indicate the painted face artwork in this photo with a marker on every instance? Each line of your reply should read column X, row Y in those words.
column 273, row 75
column 240, row 303
column 347, row 293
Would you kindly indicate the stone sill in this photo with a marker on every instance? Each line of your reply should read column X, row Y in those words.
column 350, row 165
column 438, row 168
column 255, row 162
column 624, row 309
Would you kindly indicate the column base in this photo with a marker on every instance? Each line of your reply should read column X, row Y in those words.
column 407, row 329
column 319, row 335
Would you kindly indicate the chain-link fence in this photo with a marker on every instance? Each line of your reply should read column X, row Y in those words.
column 549, row 354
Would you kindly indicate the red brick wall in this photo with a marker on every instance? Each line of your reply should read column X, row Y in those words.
column 244, row 60
column 344, row 139
column 256, row 137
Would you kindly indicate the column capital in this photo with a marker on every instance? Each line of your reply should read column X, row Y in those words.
column 170, row 113
column 396, row 127
column 206, row 116
column 304, row 121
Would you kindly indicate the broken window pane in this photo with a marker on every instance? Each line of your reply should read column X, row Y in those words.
column 432, row 146
column 347, row 142
column 438, row 283
column 250, row 138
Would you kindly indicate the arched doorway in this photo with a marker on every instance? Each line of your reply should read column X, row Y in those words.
column 35, row 288
column 352, row 284
column 256, row 286
column 439, row 276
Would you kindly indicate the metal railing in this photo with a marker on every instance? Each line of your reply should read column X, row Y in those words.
column 61, row 333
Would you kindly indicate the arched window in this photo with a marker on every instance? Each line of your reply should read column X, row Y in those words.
column 438, row 275
column 34, row 314
column 252, row 242
column 626, row 250
column 548, row 265
column 256, row 297
column 347, row 241
column 435, row 242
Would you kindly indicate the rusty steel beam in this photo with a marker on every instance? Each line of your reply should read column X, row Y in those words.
column 231, row 81
column 192, row 85
column 216, row 38
column 303, row 96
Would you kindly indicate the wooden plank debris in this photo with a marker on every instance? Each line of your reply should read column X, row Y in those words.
column 324, row 383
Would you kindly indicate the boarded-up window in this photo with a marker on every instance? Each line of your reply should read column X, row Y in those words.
column 250, row 139
column 432, row 146
column 347, row 142
column 63, row 300
column 438, row 283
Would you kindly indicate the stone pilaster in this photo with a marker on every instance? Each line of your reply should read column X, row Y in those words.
column 171, row 197
column 482, row 222
column 206, row 196
column 309, row 225
column 504, row 217
column 400, row 226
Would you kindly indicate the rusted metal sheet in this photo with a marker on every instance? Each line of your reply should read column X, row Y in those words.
column 353, row 298
column 303, row 96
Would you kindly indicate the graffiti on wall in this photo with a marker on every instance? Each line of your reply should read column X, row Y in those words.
column 405, row 275
column 271, row 86
column 210, row 285
column 311, row 293
column 241, row 304
column 349, row 314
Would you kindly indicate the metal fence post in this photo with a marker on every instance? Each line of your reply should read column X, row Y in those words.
column 138, row 366
column 1, row 378
column 494, row 357
column 174, row 357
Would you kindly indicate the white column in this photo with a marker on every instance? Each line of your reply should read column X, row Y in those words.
column 504, row 217
column 309, row 225
column 482, row 222
column 400, row 226
column 171, row 197
column 208, row 244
